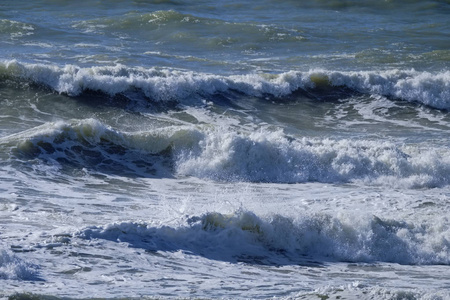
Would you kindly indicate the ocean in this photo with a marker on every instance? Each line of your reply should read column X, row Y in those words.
column 224, row 149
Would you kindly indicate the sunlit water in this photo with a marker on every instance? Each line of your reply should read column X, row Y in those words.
column 175, row 149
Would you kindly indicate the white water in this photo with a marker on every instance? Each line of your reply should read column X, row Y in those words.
column 225, row 239
column 224, row 155
column 179, row 149
column 164, row 84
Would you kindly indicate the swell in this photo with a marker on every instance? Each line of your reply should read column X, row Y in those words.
column 377, row 6
column 431, row 89
column 170, row 26
column 245, row 237
column 222, row 155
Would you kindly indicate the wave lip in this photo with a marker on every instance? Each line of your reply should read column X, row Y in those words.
column 243, row 236
column 91, row 145
column 432, row 89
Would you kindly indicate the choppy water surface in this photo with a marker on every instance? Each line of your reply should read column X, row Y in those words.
column 178, row 149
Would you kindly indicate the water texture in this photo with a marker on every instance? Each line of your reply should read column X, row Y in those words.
column 231, row 149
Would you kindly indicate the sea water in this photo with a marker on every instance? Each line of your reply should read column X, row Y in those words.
column 225, row 149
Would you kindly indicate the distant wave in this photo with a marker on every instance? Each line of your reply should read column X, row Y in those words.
column 228, row 156
column 167, row 25
column 411, row 5
column 15, row 29
column 432, row 89
column 243, row 236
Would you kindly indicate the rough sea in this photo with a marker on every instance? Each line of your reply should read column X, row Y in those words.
column 225, row 149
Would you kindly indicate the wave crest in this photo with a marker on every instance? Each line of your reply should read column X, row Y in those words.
column 432, row 89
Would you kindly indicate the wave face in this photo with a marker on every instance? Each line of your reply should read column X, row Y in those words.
column 243, row 236
column 432, row 89
column 226, row 156
column 89, row 144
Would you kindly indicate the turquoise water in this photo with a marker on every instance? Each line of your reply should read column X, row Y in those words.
column 231, row 149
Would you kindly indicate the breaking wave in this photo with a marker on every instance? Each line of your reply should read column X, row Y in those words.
column 243, row 236
column 432, row 89
column 223, row 155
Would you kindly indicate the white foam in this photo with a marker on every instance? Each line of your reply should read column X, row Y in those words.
column 431, row 89
column 274, row 157
column 321, row 236
column 428, row 88
column 13, row 268
column 263, row 156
